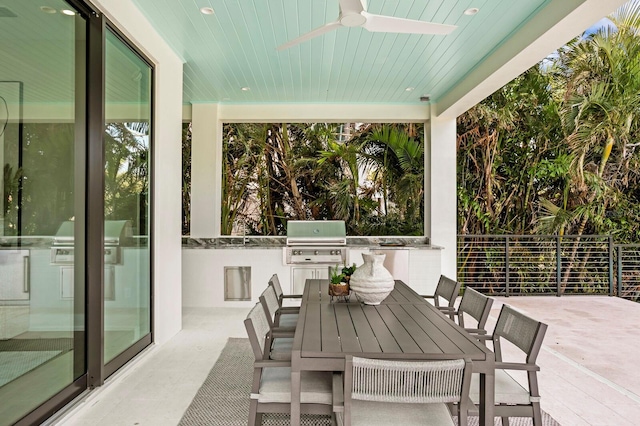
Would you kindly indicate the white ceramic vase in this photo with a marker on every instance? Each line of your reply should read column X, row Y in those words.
column 372, row 282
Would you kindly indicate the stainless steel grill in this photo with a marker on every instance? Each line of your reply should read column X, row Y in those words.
column 116, row 233
column 315, row 242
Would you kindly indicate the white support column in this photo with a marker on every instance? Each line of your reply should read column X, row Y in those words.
column 205, row 171
column 441, row 182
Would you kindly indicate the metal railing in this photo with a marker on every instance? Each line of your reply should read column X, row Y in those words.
column 628, row 271
column 541, row 264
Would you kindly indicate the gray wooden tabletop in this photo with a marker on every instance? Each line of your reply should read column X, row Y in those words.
column 403, row 326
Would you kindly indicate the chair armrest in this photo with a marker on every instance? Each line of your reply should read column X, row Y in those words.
column 473, row 408
column 271, row 363
column 282, row 332
column 292, row 296
column 447, row 309
column 338, row 393
column 289, row 310
column 483, row 336
column 477, row 331
column 426, row 296
column 517, row 366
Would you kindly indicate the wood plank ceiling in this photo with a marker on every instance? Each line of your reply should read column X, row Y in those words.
column 235, row 48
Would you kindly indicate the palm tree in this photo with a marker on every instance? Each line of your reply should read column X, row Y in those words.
column 601, row 111
column 344, row 191
column 399, row 160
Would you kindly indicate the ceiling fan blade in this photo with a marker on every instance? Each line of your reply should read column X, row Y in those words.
column 311, row 34
column 351, row 6
column 390, row 24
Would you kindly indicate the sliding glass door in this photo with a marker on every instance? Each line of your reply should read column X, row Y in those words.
column 127, row 282
column 42, row 204
column 75, row 151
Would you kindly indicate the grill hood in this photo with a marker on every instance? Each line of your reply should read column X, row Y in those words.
column 116, row 232
column 316, row 232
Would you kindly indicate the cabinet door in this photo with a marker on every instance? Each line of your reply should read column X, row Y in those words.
column 298, row 276
column 322, row 273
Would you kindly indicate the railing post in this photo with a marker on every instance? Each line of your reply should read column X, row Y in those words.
column 506, row 265
column 620, row 270
column 610, row 265
column 558, row 266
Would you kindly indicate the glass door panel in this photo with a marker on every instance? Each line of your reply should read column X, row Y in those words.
column 42, row 141
column 127, row 166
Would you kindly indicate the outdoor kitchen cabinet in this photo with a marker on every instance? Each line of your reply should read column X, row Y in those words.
column 299, row 274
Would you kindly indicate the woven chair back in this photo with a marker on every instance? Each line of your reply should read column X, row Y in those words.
column 257, row 328
column 271, row 301
column 407, row 381
column 274, row 281
column 476, row 305
column 517, row 328
column 447, row 289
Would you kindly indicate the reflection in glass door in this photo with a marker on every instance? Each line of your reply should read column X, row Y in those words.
column 42, row 140
column 127, row 280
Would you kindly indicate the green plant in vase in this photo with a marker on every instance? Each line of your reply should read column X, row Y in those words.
column 347, row 271
column 336, row 277
column 338, row 286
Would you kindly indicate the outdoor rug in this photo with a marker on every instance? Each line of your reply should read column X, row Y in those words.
column 223, row 398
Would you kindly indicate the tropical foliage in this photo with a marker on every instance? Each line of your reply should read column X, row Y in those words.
column 556, row 151
column 39, row 184
column 369, row 175
column 186, row 178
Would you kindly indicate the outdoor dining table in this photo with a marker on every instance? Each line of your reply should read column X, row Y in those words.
column 403, row 326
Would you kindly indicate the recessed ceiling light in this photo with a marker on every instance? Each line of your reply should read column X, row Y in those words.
column 68, row 12
column 245, row 89
column 471, row 11
column 409, row 89
column 207, row 10
column 47, row 9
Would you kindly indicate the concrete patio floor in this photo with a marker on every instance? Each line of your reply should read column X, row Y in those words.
column 589, row 373
column 588, row 365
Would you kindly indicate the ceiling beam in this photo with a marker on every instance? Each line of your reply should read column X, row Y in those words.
column 554, row 26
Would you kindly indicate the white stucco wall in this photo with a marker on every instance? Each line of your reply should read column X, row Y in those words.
column 167, row 161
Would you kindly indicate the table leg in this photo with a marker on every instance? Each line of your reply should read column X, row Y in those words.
column 295, row 398
column 487, row 398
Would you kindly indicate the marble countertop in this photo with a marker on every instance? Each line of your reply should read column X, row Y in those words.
column 382, row 243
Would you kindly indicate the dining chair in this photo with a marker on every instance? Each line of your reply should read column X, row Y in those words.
column 271, row 386
column 511, row 398
column 278, row 341
column 275, row 282
column 448, row 290
column 277, row 319
column 391, row 392
column 477, row 306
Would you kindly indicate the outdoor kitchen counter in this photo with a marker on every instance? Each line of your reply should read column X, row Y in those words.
column 383, row 243
column 208, row 262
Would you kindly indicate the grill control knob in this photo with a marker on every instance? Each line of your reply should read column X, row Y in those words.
column 338, row 251
column 333, row 252
column 316, row 252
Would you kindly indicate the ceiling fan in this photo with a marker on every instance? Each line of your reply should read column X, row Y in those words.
column 353, row 14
